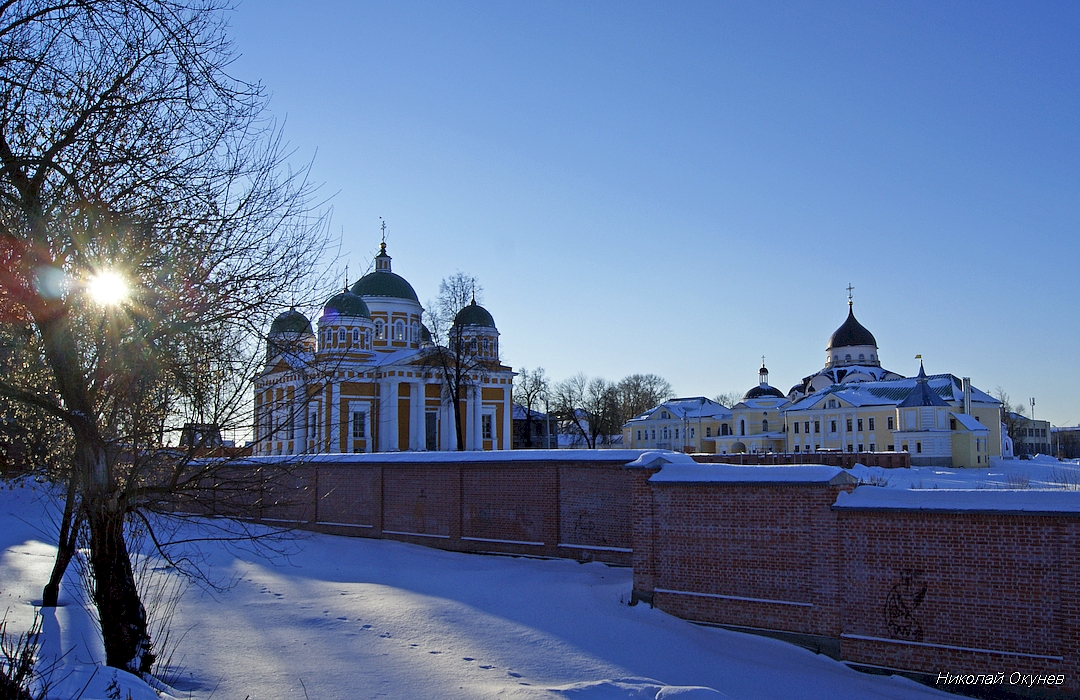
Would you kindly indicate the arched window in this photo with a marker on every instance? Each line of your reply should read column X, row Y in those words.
column 380, row 329
column 742, row 427
column 367, row 339
column 484, row 347
column 862, row 356
column 399, row 330
column 847, row 358
column 356, row 337
column 414, row 332
column 764, row 426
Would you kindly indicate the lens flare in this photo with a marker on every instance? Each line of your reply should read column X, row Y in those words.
column 107, row 288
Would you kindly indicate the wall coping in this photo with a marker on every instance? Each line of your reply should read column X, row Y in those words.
column 701, row 473
column 970, row 501
column 623, row 457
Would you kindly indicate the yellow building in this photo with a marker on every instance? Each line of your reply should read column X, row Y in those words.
column 855, row 405
column 757, row 421
column 687, row 424
column 371, row 380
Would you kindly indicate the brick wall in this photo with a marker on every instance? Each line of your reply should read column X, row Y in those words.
column 910, row 590
column 549, row 504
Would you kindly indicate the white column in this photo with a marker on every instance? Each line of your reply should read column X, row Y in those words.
column 334, row 428
column 508, row 419
column 387, row 416
column 478, row 435
column 470, row 418
column 449, row 432
column 416, row 416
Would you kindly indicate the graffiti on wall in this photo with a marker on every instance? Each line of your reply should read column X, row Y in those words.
column 902, row 603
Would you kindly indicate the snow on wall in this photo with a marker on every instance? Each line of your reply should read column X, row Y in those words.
column 736, row 474
column 1028, row 501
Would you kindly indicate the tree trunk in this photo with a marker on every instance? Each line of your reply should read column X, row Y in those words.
column 65, row 546
column 122, row 617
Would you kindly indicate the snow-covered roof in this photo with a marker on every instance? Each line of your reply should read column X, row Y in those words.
column 892, row 392
column 1027, row 501
column 681, row 472
column 688, row 408
column 520, row 413
column 969, row 422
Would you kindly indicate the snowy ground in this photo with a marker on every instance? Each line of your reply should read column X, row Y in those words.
column 1041, row 472
column 355, row 618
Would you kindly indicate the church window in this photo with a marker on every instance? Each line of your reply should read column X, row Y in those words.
column 873, row 447
column 356, row 337
column 359, row 418
column 918, row 447
column 399, row 330
column 380, row 329
column 367, row 339
column 796, row 427
column 639, row 435
column 486, row 426
column 847, row 358
column 485, row 347
column 313, row 425
column 691, row 432
column 708, row 431
column 889, row 423
column 860, row 447
column 676, row 433
column 796, row 448
column 654, row 433
column 742, row 427
column 725, row 429
column 817, row 426
column 341, row 336
column 872, row 356
column 664, row 415
column 871, row 427
column 862, row 356
column 833, row 427
column 860, row 427
column 848, row 425
column 764, row 426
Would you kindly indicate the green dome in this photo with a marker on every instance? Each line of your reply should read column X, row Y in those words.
column 474, row 315
column 425, row 334
column 382, row 283
column 291, row 321
column 348, row 305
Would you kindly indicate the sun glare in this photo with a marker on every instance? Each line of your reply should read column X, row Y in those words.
column 107, row 288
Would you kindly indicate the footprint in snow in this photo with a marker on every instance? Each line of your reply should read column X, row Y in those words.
column 513, row 675
column 434, row 652
column 366, row 627
column 487, row 666
column 385, row 635
column 343, row 619
column 468, row 658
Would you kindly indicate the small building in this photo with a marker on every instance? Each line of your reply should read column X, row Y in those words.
column 534, row 429
column 1030, row 437
column 686, row 424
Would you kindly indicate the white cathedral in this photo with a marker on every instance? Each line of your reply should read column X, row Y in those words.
column 372, row 380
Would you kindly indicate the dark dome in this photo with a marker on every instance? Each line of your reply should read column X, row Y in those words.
column 291, row 321
column 474, row 315
column 347, row 304
column 425, row 334
column 382, row 283
column 762, row 391
column 851, row 333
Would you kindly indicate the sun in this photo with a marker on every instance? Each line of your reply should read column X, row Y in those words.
column 107, row 288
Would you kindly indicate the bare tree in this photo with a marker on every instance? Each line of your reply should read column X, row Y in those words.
column 126, row 148
column 530, row 390
column 587, row 409
column 728, row 398
column 454, row 355
column 1012, row 416
column 640, row 392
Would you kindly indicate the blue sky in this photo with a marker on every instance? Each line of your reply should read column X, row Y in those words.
column 680, row 188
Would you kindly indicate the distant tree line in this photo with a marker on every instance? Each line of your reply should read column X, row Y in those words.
column 591, row 410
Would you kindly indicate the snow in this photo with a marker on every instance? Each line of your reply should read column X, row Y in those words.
column 738, row 474
column 358, row 618
column 970, row 500
column 471, row 456
column 1042, row 472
